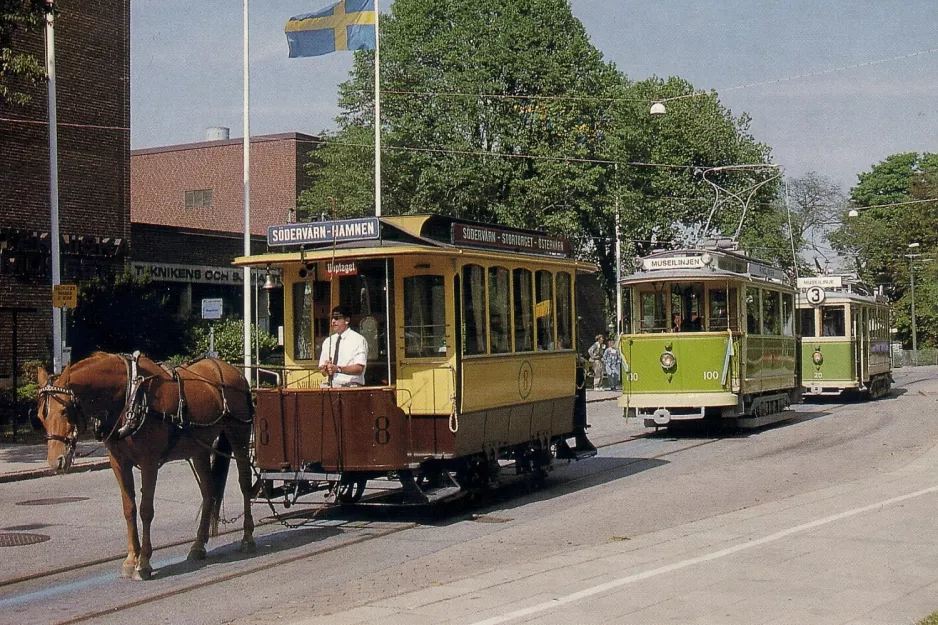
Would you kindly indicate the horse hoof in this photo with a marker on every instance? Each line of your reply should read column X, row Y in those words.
column 196, row 554
column 248, row 546
column 127, row 571
column 142, row 575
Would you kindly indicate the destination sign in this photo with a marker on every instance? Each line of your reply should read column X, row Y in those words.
column 825, row 282
column 673, row 262
column 764, row 271
column 342, row 269
column 471, row 235
column 317, row 232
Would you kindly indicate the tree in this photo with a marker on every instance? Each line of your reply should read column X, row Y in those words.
column 18, row 68
column 816, row 206
column 123, row 314
column 505, row 113
column 878, row 238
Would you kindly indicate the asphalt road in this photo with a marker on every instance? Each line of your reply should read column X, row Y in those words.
column 656, row 507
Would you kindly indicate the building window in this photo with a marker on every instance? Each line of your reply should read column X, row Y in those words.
column 201, row 198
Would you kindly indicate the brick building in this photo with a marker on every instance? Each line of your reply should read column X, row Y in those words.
column 187, row 215
column 92, row 42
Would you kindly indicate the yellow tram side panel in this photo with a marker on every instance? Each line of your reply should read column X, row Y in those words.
column 518, row 398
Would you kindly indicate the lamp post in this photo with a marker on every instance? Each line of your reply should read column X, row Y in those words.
column 57, row 352
column 912, row 289
column 912, row 257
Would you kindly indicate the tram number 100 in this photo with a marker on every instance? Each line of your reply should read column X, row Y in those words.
column 631, row 376
column 710, row 376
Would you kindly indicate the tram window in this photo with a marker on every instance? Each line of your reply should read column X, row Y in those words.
column 544, row 309
column 686, row 306
column 363, row 296
column 626, row 321
column 424, row 316
column 832, row 321
column 719, row 312
column 564, row 311
column 524, row 313
column 500, row 309
column 473, row 317
column 653, row 314
column 806, row 319
column 753, row 312
column 788, row 314
column 771, row 313
column 302, row 320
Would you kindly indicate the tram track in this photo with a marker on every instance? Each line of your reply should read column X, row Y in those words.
column 146, row 597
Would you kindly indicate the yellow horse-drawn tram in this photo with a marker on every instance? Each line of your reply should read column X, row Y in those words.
column 844, row 338
column 471, row 364
column 708, row 334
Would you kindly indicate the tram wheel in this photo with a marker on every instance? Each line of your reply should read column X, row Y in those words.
column 351, row 491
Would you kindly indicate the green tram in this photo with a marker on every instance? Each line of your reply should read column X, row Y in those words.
column 708, row 334
column 845, row 339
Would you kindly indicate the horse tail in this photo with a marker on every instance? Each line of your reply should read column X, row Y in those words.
column 221, row 460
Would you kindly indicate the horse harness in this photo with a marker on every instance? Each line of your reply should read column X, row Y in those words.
column 135, row 410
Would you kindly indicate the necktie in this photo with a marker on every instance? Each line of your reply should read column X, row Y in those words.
column 335, row 355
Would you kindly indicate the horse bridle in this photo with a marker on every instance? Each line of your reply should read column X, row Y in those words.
column 70, row 441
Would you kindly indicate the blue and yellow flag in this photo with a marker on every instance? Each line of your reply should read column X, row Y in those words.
column 346, row 25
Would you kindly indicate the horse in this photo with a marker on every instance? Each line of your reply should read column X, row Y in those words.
column 147, row 414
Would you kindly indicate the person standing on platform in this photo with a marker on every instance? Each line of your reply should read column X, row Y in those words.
column 613, row 364
column 595, row 353
column 344, row 354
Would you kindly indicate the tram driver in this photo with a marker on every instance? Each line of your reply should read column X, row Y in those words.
column 344, row 354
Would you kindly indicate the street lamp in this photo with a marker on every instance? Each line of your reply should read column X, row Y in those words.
column 912, row 289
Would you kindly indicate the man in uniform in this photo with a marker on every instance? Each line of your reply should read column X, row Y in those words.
column 344, row 354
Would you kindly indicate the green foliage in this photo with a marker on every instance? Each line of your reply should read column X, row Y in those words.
column 878, row 238
column 18, row 68
column 503, row 112
column 229, row 340
column 123, row 314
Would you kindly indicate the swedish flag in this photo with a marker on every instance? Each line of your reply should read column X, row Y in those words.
column 346, row 25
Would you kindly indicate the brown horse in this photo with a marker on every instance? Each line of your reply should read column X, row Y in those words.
column 147, row 415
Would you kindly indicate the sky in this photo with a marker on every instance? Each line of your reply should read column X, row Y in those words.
column 832, row 86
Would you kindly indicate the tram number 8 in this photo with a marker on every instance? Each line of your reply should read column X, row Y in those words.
column 382, row 430
column 263, row 435
column 711, row 375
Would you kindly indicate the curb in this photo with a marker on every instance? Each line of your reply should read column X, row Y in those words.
column 31, row 474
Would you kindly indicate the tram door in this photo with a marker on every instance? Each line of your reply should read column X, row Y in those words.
column 861, row 338
column 426, row 372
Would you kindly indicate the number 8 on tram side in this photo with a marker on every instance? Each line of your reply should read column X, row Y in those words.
column 471, row 360
column 708, row 334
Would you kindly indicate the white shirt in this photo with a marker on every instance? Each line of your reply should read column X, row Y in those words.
column 353, row 350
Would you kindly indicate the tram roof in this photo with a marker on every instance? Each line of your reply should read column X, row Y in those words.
column 380, row 237
column 704, row 265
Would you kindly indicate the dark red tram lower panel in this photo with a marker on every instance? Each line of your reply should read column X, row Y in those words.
column 349, row 429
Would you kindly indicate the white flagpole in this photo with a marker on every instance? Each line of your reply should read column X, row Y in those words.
column 247, row 205
column 377, row 116
column 57, row 352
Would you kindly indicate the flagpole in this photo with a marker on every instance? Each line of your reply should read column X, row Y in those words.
column 247, row 205
column 377, row 116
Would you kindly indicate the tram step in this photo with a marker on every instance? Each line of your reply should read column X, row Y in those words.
column 434, row 495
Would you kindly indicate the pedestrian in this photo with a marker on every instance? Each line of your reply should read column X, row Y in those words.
column 613, row 365
column 344, row 354
column 595, row 353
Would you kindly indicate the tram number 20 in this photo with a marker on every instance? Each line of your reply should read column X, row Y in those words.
column 711, row 375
